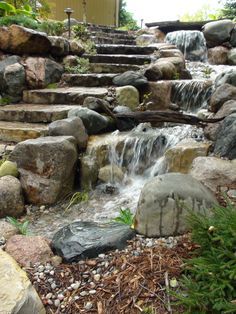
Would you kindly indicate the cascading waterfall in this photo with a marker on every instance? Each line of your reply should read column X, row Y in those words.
column 191, row 95
column 191, row 43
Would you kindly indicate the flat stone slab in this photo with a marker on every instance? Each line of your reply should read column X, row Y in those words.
column 34, row 113
column 112, row 67
column 90, row 80
column 81, row 240
column 119, row 58
column 124, row 49
column 19, row 131
column 113, row 35
column 72, row 95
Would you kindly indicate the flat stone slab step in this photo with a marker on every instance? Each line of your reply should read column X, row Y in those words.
column 90, row 80
column 34, row 113
column 119, row 58
column 71, row 95
column 113, row 35
column 107, row 30
column 124, row 49
column 112, row 67
column 112, row 40
column 18, row 131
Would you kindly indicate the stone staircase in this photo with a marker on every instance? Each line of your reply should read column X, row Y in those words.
column 30, row 119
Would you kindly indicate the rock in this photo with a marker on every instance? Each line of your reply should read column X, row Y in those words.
column 233, row 37
column 222, row 94
column 180, row 157
column 29, row 250
column 8, row 168
column 146, row 39
column 72, row 22
column 11, row 199
column 41, row 72
column 214, row 172
column 211, row 130
column 127, row 96
column 70, row 126
column 217, row 32
column 14, row 77
column 70, row 61
column 164, row 202
column 226, row 77
column 80, row 240
column 121, row 109
column 167, row 69
column 7, row 230
column 218, row 55
column 47, row 167
column 21, row 40
column 76, row 48
column 225, row 145
column 3, row 64
column 17, row 294
column 153, row 72
column 132, row 78
column 232, row 56
column 158, row 94
column 60, row 46
column 93, row 121
column 96, row 104
column 111, row 173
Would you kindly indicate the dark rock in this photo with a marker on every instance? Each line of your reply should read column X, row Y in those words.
column 96, row 104
column 226, row 77
column 225, row 145
column 132, row 78
column 233, row 37
column 217, row 32
column 153, row 73
column 3, row 64
column 222, row 94
column 81, row 240
column 60, row 46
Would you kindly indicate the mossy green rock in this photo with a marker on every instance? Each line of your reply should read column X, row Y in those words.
column 8, row 168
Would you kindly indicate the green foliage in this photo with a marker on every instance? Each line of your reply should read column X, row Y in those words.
column 176, row 76
column 52, row 28
column 82, row 66
column 5, row 101
column 80, row 31
column 19, row 20
column 209, row 282
column 206, row 12
column 21, row 226
column 126, row 19
column 52, row 86
column 77, row 198
column 9, row 9
column 229, row 10
column 125, row 217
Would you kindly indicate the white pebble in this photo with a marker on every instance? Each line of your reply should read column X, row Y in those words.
column 52, row 272
column 60, row 297
column 88, row 306
column 92, row 291
column 57, row 302
column 49, row 295
column 83, row 293
column 97, row 277
column 75, row 285
column 101, row 255
column 42, row 208
column 53, row 285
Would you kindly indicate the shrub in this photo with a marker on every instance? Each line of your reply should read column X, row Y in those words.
column 19, row 19
column 209, row 282
column 52, row 28
column 82, row 66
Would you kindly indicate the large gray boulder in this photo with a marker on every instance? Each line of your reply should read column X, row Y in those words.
column 70, row 126
column 3, row 64
column 132, row 78
column 14, row 77
column 165, row 201
column 81, row 240
column 217, row 32
column 47, row 167
column 11, row 198
column 225, row 145
column 226, row 77
column 17, row 294
column 93, row 121
column 222, row 94
column 60, row 46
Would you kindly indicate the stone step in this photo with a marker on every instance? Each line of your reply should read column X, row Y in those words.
column 109, row 40
column 106, row 29
column 119, row 59
column 34, row 113
column 124, row 49
column 89, row 80
column 112, row 67
column 72, row 95
column 113, row 35
column 18, row 131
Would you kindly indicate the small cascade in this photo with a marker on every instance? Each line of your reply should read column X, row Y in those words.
column 191, row 43
column 191, row 95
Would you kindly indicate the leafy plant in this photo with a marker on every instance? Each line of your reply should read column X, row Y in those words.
column 52, row 28
column 52, row 86
column 9, row 9
column 125, row 217
column 176, row 76
column 22, row 20
column 82, row 66
column 77, row 198
column 89, row 47
column 5, row 101
column 208, row 284
column 21, row 226
column 81, row 31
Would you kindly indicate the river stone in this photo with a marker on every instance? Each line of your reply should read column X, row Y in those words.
column 222, row 94
column 11, row 199
column 214, row 172
column 132, row 78
column 217, row 32
column 233, row 37
column 70, row 126
column 167, row 69
column 29, row 250
column 93, row 121
column 218, row 55
column 160, row 211
column 14, row 77
column 226, row 77
column 80, row 240
column 225, row 145
column 146, row 39
column 47, row 167
column 96, row 104
column 111, row 173
column 7, row 230
column 127, row 96
column 158, row 94
column 8, row 168
column 8, row 60
column 76, row 48
column 153, row 72
column 180, row 157
column 17, row 294
column 232, row 56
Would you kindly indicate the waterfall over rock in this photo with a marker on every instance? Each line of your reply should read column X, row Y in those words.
column 191, row 43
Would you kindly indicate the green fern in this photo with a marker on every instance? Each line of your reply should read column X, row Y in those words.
column 21, row 226
column 125, row 217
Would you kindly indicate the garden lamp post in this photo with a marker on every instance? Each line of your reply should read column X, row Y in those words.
column 68, row 12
